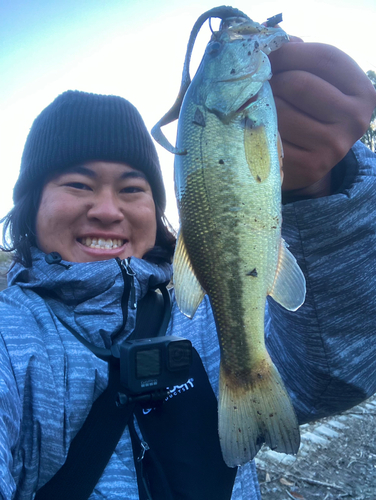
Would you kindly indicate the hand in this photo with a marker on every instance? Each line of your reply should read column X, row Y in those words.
column 324, row 103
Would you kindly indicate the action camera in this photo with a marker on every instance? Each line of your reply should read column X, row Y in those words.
column 148, row 365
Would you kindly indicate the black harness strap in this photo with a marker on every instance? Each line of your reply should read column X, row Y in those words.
column 92, row 447
column 185, row 452
column 143, row 456
column 94, row 444
column 184, row 461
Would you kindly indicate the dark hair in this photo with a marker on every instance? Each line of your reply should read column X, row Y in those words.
column 164, row 247
column 19, row 233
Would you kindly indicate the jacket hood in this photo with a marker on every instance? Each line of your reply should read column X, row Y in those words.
column 88, row 296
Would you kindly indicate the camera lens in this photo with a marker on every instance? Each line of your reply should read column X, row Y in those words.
column 179, row 355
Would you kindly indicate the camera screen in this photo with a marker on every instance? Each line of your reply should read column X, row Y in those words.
column 148, row 363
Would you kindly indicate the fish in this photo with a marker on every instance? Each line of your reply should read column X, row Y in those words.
column 228, row 175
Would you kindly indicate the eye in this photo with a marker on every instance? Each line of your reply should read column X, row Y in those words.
column 213, row 48
column 132, row 189
column 78, row 185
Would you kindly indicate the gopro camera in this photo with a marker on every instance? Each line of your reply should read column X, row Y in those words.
column 152, row 364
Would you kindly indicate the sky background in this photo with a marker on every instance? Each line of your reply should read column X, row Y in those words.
column 134, row 49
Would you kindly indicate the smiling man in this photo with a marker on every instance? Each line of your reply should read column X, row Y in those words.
column 91, row 169
column 97, row 211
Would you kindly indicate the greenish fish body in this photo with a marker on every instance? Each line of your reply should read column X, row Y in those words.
column 228, row 188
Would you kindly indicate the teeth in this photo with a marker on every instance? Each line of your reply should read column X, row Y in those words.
column 101, row 242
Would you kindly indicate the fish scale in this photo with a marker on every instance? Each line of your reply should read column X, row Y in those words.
column 214, row 188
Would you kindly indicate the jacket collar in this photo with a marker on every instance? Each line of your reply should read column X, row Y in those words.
column 88, row 296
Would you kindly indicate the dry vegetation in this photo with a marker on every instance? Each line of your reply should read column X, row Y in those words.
column 5, row 259
column 337, row 460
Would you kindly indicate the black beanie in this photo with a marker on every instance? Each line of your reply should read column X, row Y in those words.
column 78, row 127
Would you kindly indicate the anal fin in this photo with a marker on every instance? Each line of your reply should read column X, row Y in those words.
column 188, row 291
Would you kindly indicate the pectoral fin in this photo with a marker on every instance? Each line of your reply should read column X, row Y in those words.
column 188, row 291
column 289, row 286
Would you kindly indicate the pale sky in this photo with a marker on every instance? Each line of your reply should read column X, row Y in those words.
column 134, row 49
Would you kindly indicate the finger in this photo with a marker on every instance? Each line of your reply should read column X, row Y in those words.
column 325, row 61
column 312, row 95
column 294, row 176
column 316, row 167
column 299, row 128
column 293, row 38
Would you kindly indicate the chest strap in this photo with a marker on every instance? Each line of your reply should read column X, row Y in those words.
column 182, row 436
column 94, row 444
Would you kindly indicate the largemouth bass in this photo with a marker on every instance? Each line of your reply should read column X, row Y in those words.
column 228, row 188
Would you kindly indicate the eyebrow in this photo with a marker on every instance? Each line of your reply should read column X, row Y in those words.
column 80, row 169
column 133, row 173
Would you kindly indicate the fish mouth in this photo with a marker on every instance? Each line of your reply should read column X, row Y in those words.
column 247, row 103
column 102, row 243
column 237, row 79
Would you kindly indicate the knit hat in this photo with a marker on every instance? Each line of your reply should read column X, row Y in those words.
column 78, row 127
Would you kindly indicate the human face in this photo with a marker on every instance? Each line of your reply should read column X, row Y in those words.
column 106, row 204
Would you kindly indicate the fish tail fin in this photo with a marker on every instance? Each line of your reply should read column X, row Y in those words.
column 260, row 412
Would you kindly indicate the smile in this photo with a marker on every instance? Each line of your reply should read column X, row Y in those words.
column 101, row 242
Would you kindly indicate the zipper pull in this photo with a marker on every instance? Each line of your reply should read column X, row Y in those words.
column 126, row 265
column 144, row 447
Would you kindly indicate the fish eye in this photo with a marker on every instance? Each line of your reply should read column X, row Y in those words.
column 213, row 48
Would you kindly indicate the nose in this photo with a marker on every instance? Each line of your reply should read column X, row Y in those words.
column 105, row 207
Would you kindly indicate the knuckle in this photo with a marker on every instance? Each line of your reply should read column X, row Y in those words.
column 337, row 146
column 317, row 169
column 299, row 84
column 363, row 120
column 323, row 158
column 359, row 116
column 328, row 57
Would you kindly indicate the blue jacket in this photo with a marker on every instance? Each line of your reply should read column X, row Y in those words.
column 325, row 351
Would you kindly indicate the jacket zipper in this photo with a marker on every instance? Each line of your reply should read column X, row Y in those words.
column 129, row 289
column 126, row 264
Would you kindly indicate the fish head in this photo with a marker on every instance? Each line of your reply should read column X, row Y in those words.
column 235, row 66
